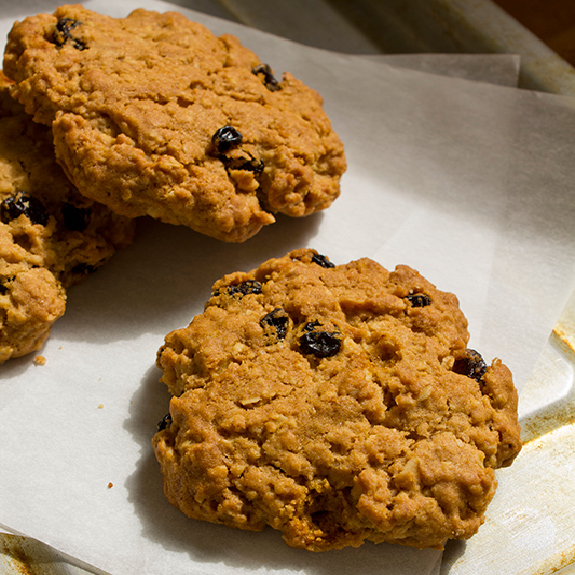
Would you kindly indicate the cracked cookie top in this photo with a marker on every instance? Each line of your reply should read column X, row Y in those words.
column 154, row 115
column 336, row 403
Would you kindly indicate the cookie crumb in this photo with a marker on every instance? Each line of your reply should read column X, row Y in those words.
column 110, row 485
column 40, row 360
column 101, row 406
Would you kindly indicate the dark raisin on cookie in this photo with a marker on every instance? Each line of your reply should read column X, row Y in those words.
column 241, row 289
column 246, row 161
column 319, row 343
column 471, row 365
column 75, row 219
column 277, row 319
column 419, row 299
column 22, row 203
column 4, row 289
column 267, row 75
column 322, row 261
column 62, row 33
column 165, row 422
column 227, row 138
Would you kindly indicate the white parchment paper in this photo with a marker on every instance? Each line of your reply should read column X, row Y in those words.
column 469, row 182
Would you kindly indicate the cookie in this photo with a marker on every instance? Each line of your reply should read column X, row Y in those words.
column 50, row 235
column 154, row 115
column 335, row 403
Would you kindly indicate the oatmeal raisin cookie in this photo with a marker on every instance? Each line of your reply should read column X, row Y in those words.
column 337, row 404
column 154, row 115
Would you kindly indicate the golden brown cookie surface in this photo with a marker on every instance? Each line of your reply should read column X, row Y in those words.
column 337, row 404
column 154, row 115
column 50, row 235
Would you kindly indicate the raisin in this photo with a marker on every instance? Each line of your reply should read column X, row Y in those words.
column 227, row 138
column 244, row 288
column 62, row 33
column 471, row 365
column 322, row 261
column 250, row 163
column 278, row 319
column 75, row 219
column 319, row 343
column 267, row 76
column 165, row 422
column 22, row 203
column 419, row 300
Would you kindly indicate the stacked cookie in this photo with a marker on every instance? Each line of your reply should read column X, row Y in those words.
column 154, row 115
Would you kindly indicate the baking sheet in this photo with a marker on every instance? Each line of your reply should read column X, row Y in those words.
column 470, row 183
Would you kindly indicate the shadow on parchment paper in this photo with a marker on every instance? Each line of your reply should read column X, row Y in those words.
column 17, row 366
column 453, row 551
column 163, row 279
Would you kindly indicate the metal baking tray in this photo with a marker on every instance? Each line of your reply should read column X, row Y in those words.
column 547, row 406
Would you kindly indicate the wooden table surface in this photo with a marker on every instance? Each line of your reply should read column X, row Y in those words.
column 553, row 21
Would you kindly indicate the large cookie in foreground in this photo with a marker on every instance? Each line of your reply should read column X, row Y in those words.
column 337, row 404
column 50, row 235
column 154, row 115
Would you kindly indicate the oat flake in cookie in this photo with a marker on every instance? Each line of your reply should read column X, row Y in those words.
column 154, row 115
column 337, row 404
column 50, row 236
